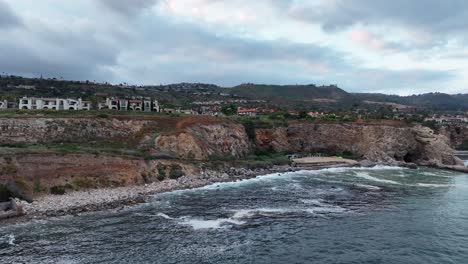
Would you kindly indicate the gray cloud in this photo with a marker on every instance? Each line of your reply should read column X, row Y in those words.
column 432, row 15
column 151, row 49
column 7, row 17
column 126, row 7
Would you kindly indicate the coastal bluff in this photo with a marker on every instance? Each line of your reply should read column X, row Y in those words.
column 95, row 152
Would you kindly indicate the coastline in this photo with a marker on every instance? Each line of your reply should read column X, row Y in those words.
column 95, row 200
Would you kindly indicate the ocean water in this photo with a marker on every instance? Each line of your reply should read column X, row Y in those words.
column 377, row 215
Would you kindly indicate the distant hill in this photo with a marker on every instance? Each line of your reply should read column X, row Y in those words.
column 329, row 97
column 334, row 96
column 436, row 101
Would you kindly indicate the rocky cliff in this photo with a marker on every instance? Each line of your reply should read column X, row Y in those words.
column 202, row 141
column 458, row 135
column 188, row 139
column 60, row 130
column 375, row 142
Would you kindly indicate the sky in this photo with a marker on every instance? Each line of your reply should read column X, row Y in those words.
column 393, row 47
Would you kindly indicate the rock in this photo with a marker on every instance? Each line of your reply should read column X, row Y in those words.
column 367, row 163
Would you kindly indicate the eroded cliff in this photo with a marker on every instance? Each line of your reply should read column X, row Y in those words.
column 375, row 142
column 128, row 150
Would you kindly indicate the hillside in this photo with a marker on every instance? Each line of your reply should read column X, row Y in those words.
column 333, row 96
column 290, row 96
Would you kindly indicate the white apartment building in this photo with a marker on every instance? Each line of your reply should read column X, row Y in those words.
column 33, row 103
column 130, row 104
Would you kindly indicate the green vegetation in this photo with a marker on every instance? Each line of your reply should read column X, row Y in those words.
column 176, row 172
column 83, row 183
column 57, row 190
column 5, row 193
column 161, row 172
column 464, row 145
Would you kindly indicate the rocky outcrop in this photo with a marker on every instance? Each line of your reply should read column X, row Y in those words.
column 457, row 134
column 204, row 141
column 202, row 138
column 35, row 174
column 60, row 130
column 377, row 143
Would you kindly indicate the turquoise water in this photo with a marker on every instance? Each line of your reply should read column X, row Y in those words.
column 378, row 215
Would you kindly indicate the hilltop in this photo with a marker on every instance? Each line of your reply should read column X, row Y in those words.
column 300, row 97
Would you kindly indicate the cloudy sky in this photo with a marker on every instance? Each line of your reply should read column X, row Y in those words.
column 397, row 47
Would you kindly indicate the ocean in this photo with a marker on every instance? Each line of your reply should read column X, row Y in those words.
column 341, row 215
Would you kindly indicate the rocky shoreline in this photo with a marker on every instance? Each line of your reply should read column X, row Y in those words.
column 94, row 200
column 75, row 203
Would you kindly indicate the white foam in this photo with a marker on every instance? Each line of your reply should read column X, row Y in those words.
column 317, row 202
column 365, row 175
column 246, row 213
column 8, row 239
column 324, row 210
column 369, row 187
column 198, row 224
column 165, row 216
column 433, row 185
column 276, row 176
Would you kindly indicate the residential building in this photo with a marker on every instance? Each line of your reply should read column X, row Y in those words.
column 135, row 105
column 156, row 107
column 315, row 114
column 147, row 105
column 32, row 103
column 3, row 105
column 123, row 105
column 447, row 119
column 187, row 112
column 247, row 111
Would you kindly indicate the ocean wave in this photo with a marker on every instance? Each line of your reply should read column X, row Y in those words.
column 165, row 216
column 276, row 176
column 367, row 176
column 433, row 185
column 8, row 239
column 368, row 187
column 198, row 224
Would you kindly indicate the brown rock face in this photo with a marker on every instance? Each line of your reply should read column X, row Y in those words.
column 378, row 143
column 37, row 173
column 202, row 141
column 457, row 134
column 57, row 130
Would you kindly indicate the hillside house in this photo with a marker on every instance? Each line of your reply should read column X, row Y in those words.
column 110, row 103
column 156, row 107
column 34, row 103
column 135, row 105
column 447, row 119
column 315, row 114
column 247, row 111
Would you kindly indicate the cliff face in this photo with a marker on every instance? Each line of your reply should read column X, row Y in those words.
column 202, row 141
column 378, row 143
column 59, row 130
column 457, row 134
column 34, row 174
column 192, row 138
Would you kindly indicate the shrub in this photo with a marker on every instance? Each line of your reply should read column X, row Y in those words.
column 103, row 115
column 5, row 193
column 20, row 189
column 57, row 190
column 83, row 183
column 161, row 172
column 282, row 160
column 176, row 172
